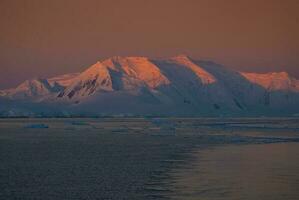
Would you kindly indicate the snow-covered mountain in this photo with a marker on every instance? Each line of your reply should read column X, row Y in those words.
column 32, row 90
column 274, row 81
column 39, row 89
column 177, row 86
column 115, row 74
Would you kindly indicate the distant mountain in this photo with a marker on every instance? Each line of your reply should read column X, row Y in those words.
column 32, row 90
column 177, row 86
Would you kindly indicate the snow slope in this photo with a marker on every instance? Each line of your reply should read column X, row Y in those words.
column 63, row 80
column 274, row 81
column 32, row 89
column 117, row 73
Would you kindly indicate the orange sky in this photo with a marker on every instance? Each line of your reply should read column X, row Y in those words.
column 45, row 38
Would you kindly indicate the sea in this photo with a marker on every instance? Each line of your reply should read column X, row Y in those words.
column 149, row 158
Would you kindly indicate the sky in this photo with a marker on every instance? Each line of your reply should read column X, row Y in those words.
column 42, row 38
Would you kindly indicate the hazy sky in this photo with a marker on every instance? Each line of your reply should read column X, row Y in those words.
column 50, row 37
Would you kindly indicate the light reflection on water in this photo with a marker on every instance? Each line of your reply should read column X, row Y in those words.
column 260, row 171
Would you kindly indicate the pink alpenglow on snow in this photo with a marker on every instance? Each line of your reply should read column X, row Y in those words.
column 176, row 86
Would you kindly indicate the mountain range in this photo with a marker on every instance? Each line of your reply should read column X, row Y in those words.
column 140, row 86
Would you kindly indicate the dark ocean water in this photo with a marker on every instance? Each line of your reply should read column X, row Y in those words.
column 131, row 158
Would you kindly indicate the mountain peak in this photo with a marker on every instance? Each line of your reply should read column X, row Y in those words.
column 114, row 74
column 138, row 68
column 273, row 80
column 32, row 88
column 122, row 58
column 36, row 82
column 270, row 75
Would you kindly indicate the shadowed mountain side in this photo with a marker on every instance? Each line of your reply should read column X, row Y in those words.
column 143, row 102
column 253, row 94
column 202, row 91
